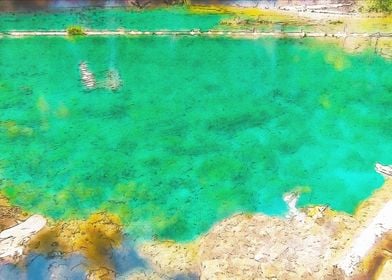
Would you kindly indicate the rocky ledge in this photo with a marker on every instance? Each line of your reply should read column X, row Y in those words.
column 261, row 247
column 311, row 243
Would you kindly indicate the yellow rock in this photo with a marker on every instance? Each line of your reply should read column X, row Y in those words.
column 94, row 237
column 101, row 273
column 9, row 215
column 369, row 208
column 386, row 272
column 170, row 258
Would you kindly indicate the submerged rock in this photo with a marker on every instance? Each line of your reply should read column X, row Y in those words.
column 113, row 80
column 94, row 238
column 87, row 77
column 263, row 247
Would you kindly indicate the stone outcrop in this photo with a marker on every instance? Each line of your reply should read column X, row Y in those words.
column 244, row 246
column 262, row 247
column 170, row 258
column 142, row 275
column 94, row 238
column 10, row 215
column 367, row 211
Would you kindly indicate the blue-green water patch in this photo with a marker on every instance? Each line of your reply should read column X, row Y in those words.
column 176, row 18
column 200, row 129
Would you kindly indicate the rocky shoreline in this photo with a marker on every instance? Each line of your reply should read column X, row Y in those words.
column 315, row 242
column 260, row 247
column 380, row 43
column 244, row 246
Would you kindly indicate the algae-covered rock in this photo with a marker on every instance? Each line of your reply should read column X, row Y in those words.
column 94, row 237
column 9, row 215
column 101, row 273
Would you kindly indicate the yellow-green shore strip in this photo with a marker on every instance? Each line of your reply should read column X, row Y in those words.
column 253, row 250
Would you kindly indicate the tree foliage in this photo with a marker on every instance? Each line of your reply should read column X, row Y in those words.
column 177, row 2
column 380, row 6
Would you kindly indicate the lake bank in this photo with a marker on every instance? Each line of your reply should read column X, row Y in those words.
column 244, row 246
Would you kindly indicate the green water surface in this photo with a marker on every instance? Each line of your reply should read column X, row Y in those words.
column 174, row 18
column 201, row 128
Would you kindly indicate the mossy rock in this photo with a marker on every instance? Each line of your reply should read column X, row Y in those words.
column 75, row 31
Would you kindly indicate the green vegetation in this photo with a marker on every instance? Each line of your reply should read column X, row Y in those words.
column 380, row 6
column 336, row 22
column 179, row 2
column 75, row 30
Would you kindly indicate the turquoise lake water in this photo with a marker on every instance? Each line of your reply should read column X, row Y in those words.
column 177, row 18
column 157, row 19
column 201, row 128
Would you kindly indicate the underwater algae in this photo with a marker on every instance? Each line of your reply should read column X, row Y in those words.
column 201, row 128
